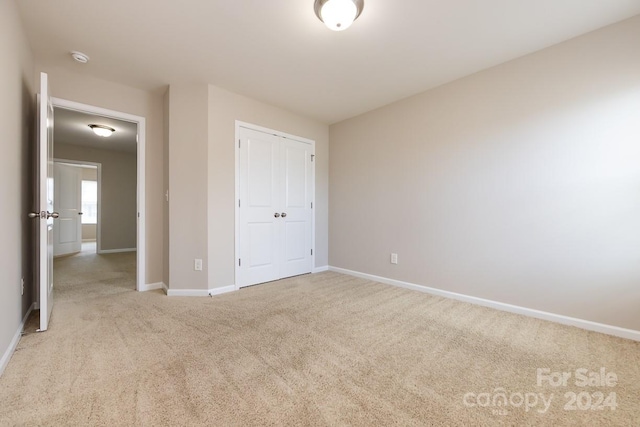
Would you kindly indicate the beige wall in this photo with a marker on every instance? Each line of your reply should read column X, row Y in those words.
column 187, row 185
column 89, row 232
column 199, row 148
column 519, row 184
column 118, row 192
column 16, row 137
column 165, row 179
column 224, row 109
column 81, row 87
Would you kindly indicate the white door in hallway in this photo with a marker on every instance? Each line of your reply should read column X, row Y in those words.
column 275, row 207
column 44, row 212
column 67, row 233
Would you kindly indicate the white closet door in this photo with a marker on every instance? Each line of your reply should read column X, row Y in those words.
column 259, row 196
column 275, row 213
column 295, row 172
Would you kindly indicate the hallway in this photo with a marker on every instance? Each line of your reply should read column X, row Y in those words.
column 88, row 274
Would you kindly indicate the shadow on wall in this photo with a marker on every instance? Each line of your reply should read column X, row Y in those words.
column 28, row 195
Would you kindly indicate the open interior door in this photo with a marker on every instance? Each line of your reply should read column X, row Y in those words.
column 46, row 214
column 67, row 234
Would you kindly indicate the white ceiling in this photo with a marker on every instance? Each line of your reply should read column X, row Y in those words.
column 277, row 51
column 72, row 127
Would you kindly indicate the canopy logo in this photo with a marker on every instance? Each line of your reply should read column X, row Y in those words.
column 591, row 395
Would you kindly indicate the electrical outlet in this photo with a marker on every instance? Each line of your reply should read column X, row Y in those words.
column 197, row 264
column 22, row 286
column 394, row 258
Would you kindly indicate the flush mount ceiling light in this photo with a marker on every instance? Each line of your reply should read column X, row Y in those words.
column 80, row 57
column 338, row 15
column 101, row 130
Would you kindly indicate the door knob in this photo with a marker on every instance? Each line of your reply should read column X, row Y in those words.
column 53, row 215
column 277, row 215
column 34, row 215
column 80, row 213
column 284, row 214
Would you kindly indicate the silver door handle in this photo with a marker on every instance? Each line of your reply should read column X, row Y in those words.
column 34, row 215
column 284, row 214
column 80, row 213
column 53, row 215
column 277, row 215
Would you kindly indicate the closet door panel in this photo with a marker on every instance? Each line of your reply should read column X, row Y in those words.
column 260, row 188
column 295, row 161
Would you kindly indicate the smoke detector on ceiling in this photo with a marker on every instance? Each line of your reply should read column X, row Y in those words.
column 80, row 57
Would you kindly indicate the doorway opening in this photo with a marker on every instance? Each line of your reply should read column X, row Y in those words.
column 100, row 188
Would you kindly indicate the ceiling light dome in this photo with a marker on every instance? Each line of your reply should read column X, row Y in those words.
column 101, row 130
column 338, row 15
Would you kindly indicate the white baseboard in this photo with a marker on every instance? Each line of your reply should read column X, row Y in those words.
column 223, row 290
column 151, row 287
column 199, row 292
column 557, row 318
column 14, row 342
column 320, row 269
column 116, row 251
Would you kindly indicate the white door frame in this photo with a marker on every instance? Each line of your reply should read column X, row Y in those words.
column 141, row 196
column 240, row 124
column 99, row 180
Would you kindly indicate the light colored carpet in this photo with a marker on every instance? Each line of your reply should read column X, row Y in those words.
column 325, row 349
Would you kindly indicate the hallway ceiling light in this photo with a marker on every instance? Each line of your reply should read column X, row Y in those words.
column 101, row 130
column 338, row 15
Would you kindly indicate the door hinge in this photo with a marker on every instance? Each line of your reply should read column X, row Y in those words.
column 239, row 143
column 138, row 214
column 313, row 156
column 311, row 251
column 238, row 202
column 311, row 205
column 239, row 262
